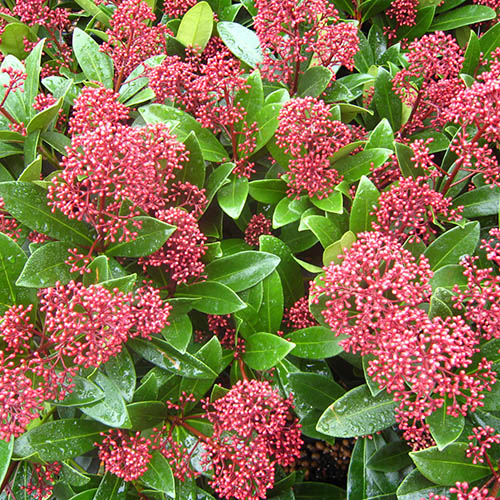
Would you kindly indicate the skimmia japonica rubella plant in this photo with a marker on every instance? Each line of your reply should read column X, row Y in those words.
column 235, row 232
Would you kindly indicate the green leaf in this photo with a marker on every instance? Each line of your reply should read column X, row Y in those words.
column 32, row 82
column 60, row 439
column 270, row 313
column 314, row 81
column 288, row 270
column 196, row 26
column 182, row 124
column 111, row 411
column 217, row 179
column 404, row 154
column 98, row 271
column 315, row 389
column 84, row 392
column 94, row 11
column 267, row 190
column 242, row 270
column 323, row 228
column 452, row 245
column 213, row 297
column 6, row 449
column 265, row 350
column 289, row 210
column 315, row 342
column 471, row 56
column 463, row 16
column 179, row 332
column 331, row 253
column 333, row 203
column 267, row 123
column 381, row 136
column 12, row 261
column 421, row 25
column 27, row 202
column 121, row 371
column 232, row 196
column 354, row 167
column 32, row 171
column 444, row 428
column 415, row 487
column 13, row 39
column 317, row 491
column 448, row 466
column 241, row 41
column 46, row 266
column 96, row 65
column 489, row 41
column 146, row 414
column 161, row 354
column 386, row 101
column 193, row 170
column 111, row 487
column 390, row 458
column 159, row 475
column 150, row 237
column 252, row 100
column 44, row 118
column 479, row 202
column 358, row 413
column 363, row 205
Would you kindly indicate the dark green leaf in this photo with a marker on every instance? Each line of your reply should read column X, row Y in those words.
column 96, row 65
column 323, row 228
column 391, row 457
column 195, row 29
column 358, row 413
column 178, row 333
column 27, row 202
column 151, row 236
column 146, row 414
column 449, row 276
column 267, row 190
column 489, row 41
column 242, row 270
column 479, row 202
column 159, row 475
column 333, row 203
column 60, row 439
column 452, row 245
column 462, row 16
column 386, row 101
column 415, row 487
column 363, row 205
column 120, row 369
column 420, row 26
column 448, row 466
column 98, row 271
column 111, row 487
column 471, row 56
column 264, row 350
column 110, row 411
column 315, row 342
column 314, row 81
column 193, row 170
column 84, row 392
column 315, row 389
column 270, row 312
column 289, row 210
column 404, row 154
column 444, row 428
column 381, row 136
column 5, row 454
column 13, row 39
column 317, row 491
column 47, row 266
column 217, row 179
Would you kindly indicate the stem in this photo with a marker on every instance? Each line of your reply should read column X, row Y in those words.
column 190, row 428
column 242, row 369
column 7, row 115
column 6, row 480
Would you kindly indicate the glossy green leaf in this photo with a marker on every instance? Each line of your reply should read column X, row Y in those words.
column 323, row 228
column 151, row 236
column 448, row 466
column 415, row 487
column 44, row 118
column 27, row 202
column 159, row 474
column 13, row 39
column 264, row 350
column 146, row 414
column 46, row 266
column 12, row 261
column 363, row 205
column 32, row 82
column 332, row 252
column 354, row 167
column 358, row 413
column 333, row 203
column 121, row 371
column 232, row 196
column 314, row 81
column 60, row 439
column 6, row 449
column 196, row 26
column 452, row 245
column 288, row 269
column 241, row 41
column 84, row 392
column 462, row 16
column 267, row 190
column 217, row 179
column 317, row 491
column 96, row 65
column 110, row 411
column 386, row 101
column 315, row 389
column 448, row 276
column 479, row 202
column 111, row 487
column 98, row 271
column 471, row 56
column 289, row 210
column 213, row 297
column 381, row 136
column 193, row 170
column 88, row 494
column 161, row 354
column 242, row 270
column 315, row 342
column 444, row 428
column 251, row 99
column 490, row 41
column 178, row 332
column 270, row 312
column 391, row 457
column 421, row 25
column 267, row 123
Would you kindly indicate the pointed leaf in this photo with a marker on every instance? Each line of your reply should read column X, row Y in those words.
column 195, row 29
column 265, row 350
